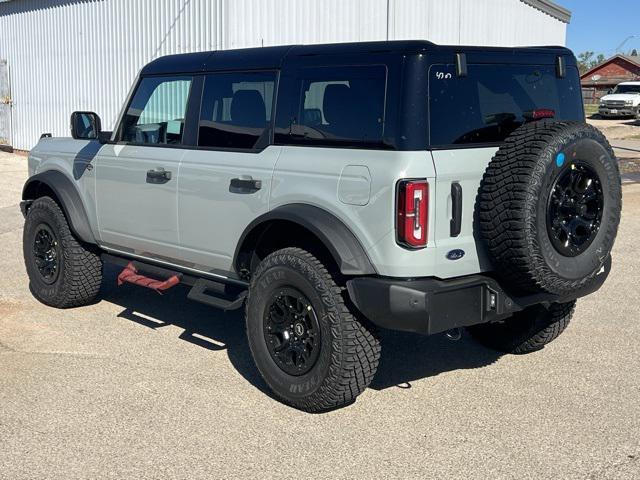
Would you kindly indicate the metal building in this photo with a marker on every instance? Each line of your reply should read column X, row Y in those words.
column 57, row 56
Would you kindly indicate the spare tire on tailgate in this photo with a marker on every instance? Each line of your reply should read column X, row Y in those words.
column 549, row 207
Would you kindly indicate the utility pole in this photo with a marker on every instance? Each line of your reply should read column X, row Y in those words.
column 619, row 49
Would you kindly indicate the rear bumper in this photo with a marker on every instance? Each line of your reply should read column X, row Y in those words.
column 430, row 305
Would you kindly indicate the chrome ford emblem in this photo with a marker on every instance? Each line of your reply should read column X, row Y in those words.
column 456, row 254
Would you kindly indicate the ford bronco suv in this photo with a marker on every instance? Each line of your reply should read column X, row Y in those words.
column 332, row 190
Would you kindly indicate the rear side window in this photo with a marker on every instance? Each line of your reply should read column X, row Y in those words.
column 156, row 113
column 490, row 102
column 339, row 106
column 236, row 110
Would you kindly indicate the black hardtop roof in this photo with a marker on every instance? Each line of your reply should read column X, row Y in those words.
column 273, row 57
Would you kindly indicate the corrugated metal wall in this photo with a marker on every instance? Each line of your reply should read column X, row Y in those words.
column 67, row 55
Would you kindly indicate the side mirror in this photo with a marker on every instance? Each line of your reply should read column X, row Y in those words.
column 85, row 125
column 610, row 91
column 104, row 137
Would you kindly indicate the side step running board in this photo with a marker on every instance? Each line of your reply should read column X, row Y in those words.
column 219, row 295
column 131, row 275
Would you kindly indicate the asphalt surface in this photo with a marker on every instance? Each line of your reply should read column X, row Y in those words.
column 144, row 386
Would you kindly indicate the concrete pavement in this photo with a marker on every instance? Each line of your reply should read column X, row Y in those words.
column 143, row 386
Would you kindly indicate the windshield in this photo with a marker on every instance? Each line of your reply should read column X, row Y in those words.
column 493, row 100
column 627, row 89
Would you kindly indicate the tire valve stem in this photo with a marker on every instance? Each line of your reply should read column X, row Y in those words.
column 454, row 334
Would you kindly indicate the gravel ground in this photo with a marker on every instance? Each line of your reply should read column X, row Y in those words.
column 143, row 386
column 623, row 132
column 617, row 128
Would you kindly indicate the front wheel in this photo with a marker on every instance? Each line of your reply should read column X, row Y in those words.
column 62, row 272
column 313, row 352
column 525, row 331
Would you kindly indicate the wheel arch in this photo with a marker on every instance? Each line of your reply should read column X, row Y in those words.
column 308, row 223
column 61, row 188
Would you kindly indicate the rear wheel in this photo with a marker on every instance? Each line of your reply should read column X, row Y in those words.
column 310, row 349
column 62, row 272
column 526, row 331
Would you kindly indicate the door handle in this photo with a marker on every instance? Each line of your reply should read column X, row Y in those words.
column 158, row 175
column 244, row 185
column 456, row 209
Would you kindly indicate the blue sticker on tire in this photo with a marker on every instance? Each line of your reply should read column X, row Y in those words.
column 560, row 159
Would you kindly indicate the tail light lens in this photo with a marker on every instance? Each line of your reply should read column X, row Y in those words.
column 539, row 114
column 412, row 215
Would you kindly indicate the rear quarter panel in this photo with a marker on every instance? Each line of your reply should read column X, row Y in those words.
column 367, row 205
column 313, row 176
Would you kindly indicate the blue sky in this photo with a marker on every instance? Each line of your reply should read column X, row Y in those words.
column 601, row 25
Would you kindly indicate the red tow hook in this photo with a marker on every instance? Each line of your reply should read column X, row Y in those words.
column 130, row 275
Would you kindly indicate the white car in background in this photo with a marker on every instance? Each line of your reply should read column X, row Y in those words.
column 623, row 101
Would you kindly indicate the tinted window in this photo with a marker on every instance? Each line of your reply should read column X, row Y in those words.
column 339, row 105
column 488, row 104
column 236, row 110
column 157, row 110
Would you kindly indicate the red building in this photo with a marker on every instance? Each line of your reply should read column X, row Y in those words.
column 599, row 80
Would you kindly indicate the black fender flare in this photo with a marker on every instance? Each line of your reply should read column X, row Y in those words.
column 346, row 250
column 68, row 197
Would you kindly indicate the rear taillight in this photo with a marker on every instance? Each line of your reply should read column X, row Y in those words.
column 539, row 114
column 412, row 217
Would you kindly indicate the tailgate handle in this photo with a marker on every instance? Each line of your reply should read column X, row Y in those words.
column 456, row 209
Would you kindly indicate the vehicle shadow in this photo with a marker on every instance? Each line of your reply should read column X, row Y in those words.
column 406, row 357
column 204, row 326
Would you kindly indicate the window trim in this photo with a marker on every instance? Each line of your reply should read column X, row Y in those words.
column 118, row 132
column 270, row 124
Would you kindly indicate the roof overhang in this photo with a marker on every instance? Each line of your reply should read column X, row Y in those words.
column 550, row 8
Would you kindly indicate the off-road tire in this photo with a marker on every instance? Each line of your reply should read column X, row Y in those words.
column 513, row 201
column 80, row 267
column 526, row 331
column 350, row 349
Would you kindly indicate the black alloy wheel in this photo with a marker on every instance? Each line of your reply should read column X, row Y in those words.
column 292, row 332
column 575, row 209
column 46, row 252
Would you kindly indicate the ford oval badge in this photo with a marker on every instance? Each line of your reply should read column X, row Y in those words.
column 456, row 254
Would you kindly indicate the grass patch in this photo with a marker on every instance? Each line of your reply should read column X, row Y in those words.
column 590, row 109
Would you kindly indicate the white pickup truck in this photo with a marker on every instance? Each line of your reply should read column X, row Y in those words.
column 623, row 101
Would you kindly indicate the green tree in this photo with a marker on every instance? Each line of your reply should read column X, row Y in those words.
column 587, row 60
